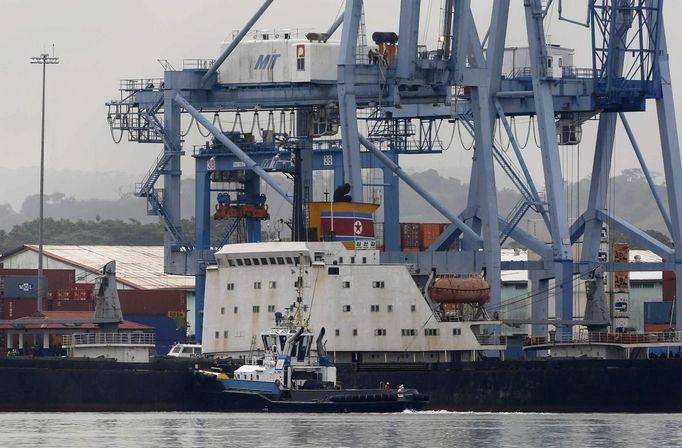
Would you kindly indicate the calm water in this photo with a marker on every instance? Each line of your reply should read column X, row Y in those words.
column 426, row 429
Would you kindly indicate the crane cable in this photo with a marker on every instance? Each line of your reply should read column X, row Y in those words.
column 461, row 140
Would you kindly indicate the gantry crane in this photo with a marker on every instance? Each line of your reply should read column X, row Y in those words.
column 461, row 81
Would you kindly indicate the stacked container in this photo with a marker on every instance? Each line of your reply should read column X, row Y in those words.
column 409, row 237
column 165, row 310
column 428, row 234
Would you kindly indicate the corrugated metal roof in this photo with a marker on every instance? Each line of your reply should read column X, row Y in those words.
column 137, row 266
column 53, row 320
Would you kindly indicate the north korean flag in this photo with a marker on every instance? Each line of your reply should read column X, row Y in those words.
column 348, row 226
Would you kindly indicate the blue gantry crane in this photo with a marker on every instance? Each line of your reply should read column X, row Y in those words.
column 464, row 82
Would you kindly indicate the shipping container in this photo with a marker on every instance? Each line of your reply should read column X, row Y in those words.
column 18, row 308
column 167, row 331
column 668, row 286
column 658, row 313
column 78, row 292
column 70, row 305
column 56, row 278
column 409, row 235
column 152, row 302
column 21, row 286
column 657, row 328
column 428, row 234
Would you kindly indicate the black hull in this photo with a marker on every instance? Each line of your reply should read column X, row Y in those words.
column 521, row 386
column 65, row 385
column 575, row 385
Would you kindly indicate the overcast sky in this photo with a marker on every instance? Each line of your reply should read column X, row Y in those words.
column 100, row 43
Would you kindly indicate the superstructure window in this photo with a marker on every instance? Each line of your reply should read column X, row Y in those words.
column 389, row 308
column 290, row 260
column 380, row 332
column 225, row 334
column 239, row 262
column 236, row 309
column 256, row 261
column 413, row 308
column 300, row 58
column 256, row 309
column 456, row 331
column 230, row 286
column 256, row 285
column 333, row 270
column 352, row 260
column 217, row 334
column 230, row 262
column 408, row 332
column 346, row 284
column 271, row 308
column 272, row 260
column 378, row 284
column 280, row 260
column 337, row 332
column 355, row 331
column 345, row 308
column 364, row 260
column 374, row 308
column 247, row 261
column 273, row 285
column 222, row 310
column 264, row 261
column 431, row 331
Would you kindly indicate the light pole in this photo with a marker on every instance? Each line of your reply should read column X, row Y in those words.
column 43, row 59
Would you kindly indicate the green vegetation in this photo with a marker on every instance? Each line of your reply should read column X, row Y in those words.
column 62, row 231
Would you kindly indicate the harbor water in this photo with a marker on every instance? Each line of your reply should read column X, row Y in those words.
column 417, row 429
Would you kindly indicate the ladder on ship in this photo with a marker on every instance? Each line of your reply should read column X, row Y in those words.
column 252, row 347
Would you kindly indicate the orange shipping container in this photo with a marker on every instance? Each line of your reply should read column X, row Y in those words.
column 428, row 234
column 657, row 328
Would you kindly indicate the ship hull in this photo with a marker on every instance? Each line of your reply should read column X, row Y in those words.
column 653, row 385
column 244, row 401
column 575, row 385
column 65, row 385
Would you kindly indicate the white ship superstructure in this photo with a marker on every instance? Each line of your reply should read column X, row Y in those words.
column 372, row 312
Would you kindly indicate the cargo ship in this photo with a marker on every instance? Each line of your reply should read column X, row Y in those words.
column 385, row 322
column 388, row 322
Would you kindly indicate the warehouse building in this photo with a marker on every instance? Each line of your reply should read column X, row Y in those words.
column 148, row 295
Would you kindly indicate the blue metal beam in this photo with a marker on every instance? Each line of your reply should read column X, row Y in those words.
column 645, row 170
column 409, row 35
column 347, row 99
column 230, row 48
column 554, row 183
column 636, row 235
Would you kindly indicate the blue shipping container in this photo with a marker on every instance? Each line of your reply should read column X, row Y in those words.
column 658, row 312
column 21, row 286
column 166, row 330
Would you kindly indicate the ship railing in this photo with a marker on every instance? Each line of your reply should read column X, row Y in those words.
column 135, row 85
column 197, row 64
column 491, row 339
column 662, row 337
column 136, row 338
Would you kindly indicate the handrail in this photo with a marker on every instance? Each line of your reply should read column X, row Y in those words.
column 606, row 338
column 127, row 338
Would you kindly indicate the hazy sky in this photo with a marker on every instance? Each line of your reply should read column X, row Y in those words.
column 100, row 43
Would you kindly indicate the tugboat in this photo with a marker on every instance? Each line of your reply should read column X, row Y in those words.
column 288, row 377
